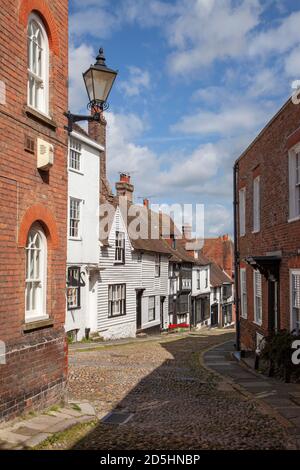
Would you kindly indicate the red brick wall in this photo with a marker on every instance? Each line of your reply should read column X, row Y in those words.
column 268, row 156
column 35, row 372
column 220, row 250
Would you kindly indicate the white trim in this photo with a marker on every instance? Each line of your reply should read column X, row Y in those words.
column 88, row 141
column 255, row 320
column 41, row 300
column 44, row 109
column 256, row 204
column 242, row 282
column 242, row 212
column 292, row 272
column 293, row 211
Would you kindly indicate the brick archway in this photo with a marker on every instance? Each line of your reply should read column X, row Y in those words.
column 41, row 7
column 44, row 216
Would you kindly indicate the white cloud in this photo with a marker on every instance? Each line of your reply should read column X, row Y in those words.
column 278, row 39
column 226, row 122
column 217, row 219
column 80, row 58
column 93, row 19
column 207, row 30
column 191, row 170
column 292, row 63
column 138, row 81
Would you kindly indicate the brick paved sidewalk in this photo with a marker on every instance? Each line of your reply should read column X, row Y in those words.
column 31, row 431
column 277, row 398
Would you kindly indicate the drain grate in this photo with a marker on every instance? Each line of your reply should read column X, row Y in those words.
column 117, row 418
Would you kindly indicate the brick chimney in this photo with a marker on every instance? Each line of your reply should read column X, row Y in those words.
column 124, row 187
column 97, row 132
column 146, row 203
column 187, row 231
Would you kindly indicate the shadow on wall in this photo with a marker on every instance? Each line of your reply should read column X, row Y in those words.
column 178, row 406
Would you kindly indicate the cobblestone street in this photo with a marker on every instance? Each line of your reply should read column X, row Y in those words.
column 167, row 398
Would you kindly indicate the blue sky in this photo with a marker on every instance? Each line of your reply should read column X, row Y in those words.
column 197, row 80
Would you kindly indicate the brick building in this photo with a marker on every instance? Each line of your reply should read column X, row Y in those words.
column 267, row 216
column 220, row 251
column 33, row 202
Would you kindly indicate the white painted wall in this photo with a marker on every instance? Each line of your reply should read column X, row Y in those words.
column 114, row 273
column 154, row 286
column 84, row 251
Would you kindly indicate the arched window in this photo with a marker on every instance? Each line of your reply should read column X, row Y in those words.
column 36, row 273
column 38, row 64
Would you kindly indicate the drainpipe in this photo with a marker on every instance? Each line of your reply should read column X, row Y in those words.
column 236, row 258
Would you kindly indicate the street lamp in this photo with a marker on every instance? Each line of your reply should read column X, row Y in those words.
column 98, row 80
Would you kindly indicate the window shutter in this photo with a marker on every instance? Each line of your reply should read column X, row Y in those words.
column 256, row 204
column 296, row 290
column 258, row 291
column 242, row 204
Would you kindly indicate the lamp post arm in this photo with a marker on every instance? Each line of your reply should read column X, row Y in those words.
column 72, row 118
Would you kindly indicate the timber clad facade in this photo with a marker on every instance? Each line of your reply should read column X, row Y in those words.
column 33, row 203
column 268, row 225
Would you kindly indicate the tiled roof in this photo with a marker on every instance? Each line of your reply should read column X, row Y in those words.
column 217, row 276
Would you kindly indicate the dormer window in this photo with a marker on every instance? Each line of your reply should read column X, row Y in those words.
column 38, row 64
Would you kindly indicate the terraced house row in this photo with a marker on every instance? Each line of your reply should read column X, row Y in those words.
column 267, row 219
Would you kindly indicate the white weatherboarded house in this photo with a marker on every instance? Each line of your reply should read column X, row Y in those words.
column 133, row 281
column 83, row 234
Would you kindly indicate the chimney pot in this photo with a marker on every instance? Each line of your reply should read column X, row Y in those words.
column 124, row 178
column 146, row 203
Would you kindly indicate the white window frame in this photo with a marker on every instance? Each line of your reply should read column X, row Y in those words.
column 157, row 266
column 77, row 217
column 198, row 279
column 294, row 184
column 242, row 211
column 293, row 323
column 36, row 275
column 151, row 308
column 73, row 291
column 257, row 314
column 116, row 300
column 243, row 289
column 256, row 204
column 75, row 153
column 206, row 278
column 119, row 247
column 40, row 79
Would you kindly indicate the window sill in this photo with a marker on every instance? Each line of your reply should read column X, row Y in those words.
column 78, row 172
column 119, row 262
column 117, row 316
column 255, row 232
column 37, row 324
column 39, row 116
column 257, row 323
column 294, row 219
column 75, row 239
